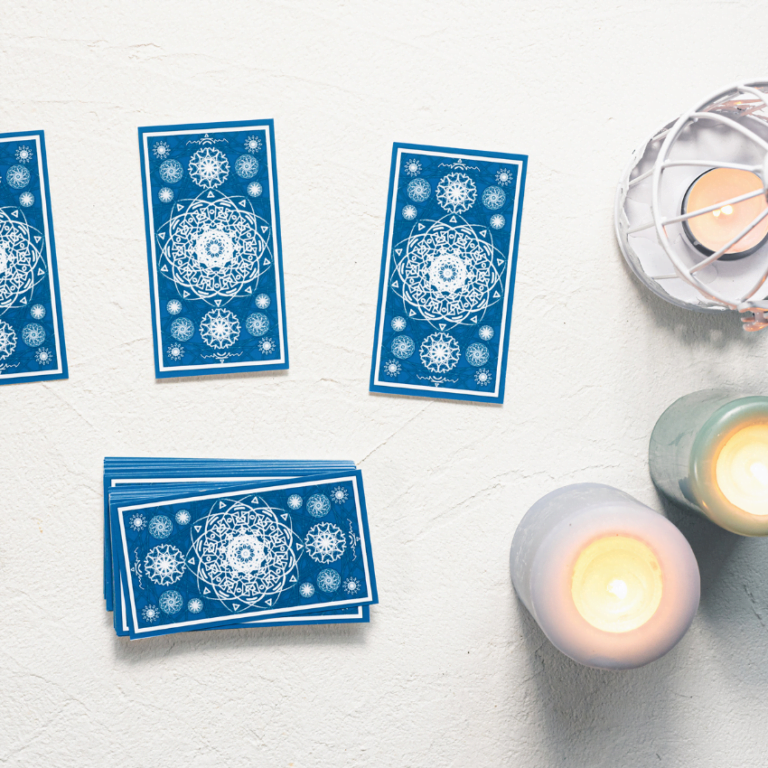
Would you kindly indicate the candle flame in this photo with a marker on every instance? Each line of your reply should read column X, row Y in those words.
column 619, row 588
column 760, row 472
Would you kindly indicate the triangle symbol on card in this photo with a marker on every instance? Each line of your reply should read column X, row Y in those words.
column 235, row 606
column 267, row 262
column 218, row 302
column 496, row 295
column 24, row 300
column 285, row 517
column 264, row 229
column 299, row 547
column 292, row 580
column 398, row 251
column 453, row 219
column 421, row 226
column 191, row 561
column 210, row 195
column 474, row 319
column 500, row 262
column 186, row 294
column 162, row 235
column 179, row 207
column 16, row 214
column 206, row 591
column 395, row 283
column 242, row 202
column 249, row 289
column 411, row 313
column 198, row 528
column 484, row 233
column 222, row 505
column 164, row 268
column 37, row 238
column 442, row 326
column 255, row 500
column 269, row 602
column 40, row 272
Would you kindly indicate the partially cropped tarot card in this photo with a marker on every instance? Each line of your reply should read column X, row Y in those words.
column 213, row 242
column 31, row 329
column 448, row 273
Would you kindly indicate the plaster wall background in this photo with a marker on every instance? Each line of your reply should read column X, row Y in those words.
column 451, row 671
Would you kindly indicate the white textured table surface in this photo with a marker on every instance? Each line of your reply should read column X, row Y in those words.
column 451, row 671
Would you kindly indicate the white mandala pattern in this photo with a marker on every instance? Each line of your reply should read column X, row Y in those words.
column 171, row 602
column 456, row 193
column 26, row 199
column 485, row 332
column 21, row 260
column 498, row 221
column 165, row 195
column 392, row 368
column 244, row 554
column 339, row 494
column 209, row 168
column 352, row 585
column 267, row 347
column 494, row 198
column 161, row 150
column 164, row 564
column 328, row 580
column 171, row 171
column 503, row 177
column 263, row 301
column 182, row 517
column 483, row 377
column 398, row 324
column 409, row 212
column 295, row 501
column 182, row 329
column 195, row 605
column 477, row 354
column 246, row 166
column 44, row 356
column 252, row 144
column 318, row 505
column 403, row 347
column 419, row 190
column 18, row 176
column 412, row 167
column 7, row 340
column 439, row 353
column 160, row 526
column 448, row 272
column 37, row 311
column 213, row 247
column 174, row 307
column 307, row 589
column 150, row 613
column 325, row 543
column 175, row 353
column 137, row 522
column 24, row 154
column 257, row 324
column 254, row 189
column 220, row 328
column 33, row 334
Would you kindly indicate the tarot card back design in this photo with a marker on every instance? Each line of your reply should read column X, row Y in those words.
column 213, row 241
column 447, row 276
column 31, row 328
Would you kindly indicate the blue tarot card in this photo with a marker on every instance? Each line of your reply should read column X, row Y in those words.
column 31, row 328
column 298, row 546
column 213, row 243
column 448, row 273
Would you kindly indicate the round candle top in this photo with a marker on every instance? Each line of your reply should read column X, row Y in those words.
column 715, row 229
column 617, row 583
column 742, row 469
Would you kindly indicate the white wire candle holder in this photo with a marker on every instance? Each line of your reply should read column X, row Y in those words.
column 654, row 228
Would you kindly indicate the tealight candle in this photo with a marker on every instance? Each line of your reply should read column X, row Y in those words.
column 611, row 583
column 719, row 224
column 709, row 453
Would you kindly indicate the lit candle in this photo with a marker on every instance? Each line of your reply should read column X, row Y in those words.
column 611, row 583
column 709, row 453
column 713, row 230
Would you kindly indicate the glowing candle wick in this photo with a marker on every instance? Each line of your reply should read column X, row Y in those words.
column 760, row 471
column 619, row 588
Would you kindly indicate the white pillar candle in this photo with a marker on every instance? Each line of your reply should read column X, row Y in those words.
column 611, row 583
column 709, row 453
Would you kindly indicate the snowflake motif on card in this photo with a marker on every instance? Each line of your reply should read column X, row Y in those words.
column 325, row 543
column 295, row 501
column 33, row 334
column 352, row 585
column 195, row 605
column 307, row 589
column 209, row 168
column 171, row 171
column 21, row 260
column 504, row 177
column 409, row 212
column 392, row 368
column 267, row 347
column 26, row 199
column 419, row 190
column 182, row 329
column 439, row 353
column 161, row 150
column 254, row 189
column 164, row 564
column 448, row 273
column 252, row 144
column 403, row 347
column 17, row 176
column 171, row 602
column 182, row 517
column 318, row 505
column 214, row 248
column 24, row 154
column 485, row 332
column 7, row 340
column 150, row 613
column 137, row 522
column 245, row 554
column 165, row 195
column 37, row 311
column 257, row 324
column 483, row 377
column 246, row 166
column 328, row 580
column 498, row 221
column 456, row 193
column 263, row 301
column 160, row 527
column 398, row 324
column 220, row 328
column 175, row 353
column 477, row 354
column 339, row 494
column 174, row 307
column 494, row 198
column 44, row 356
column 412, row 167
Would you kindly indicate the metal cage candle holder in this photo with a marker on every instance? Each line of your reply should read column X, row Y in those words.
column 726, row 133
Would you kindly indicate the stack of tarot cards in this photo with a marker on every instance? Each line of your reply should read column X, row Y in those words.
column 195, row 544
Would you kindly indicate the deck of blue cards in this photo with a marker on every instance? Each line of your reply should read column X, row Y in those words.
column 200, row 544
